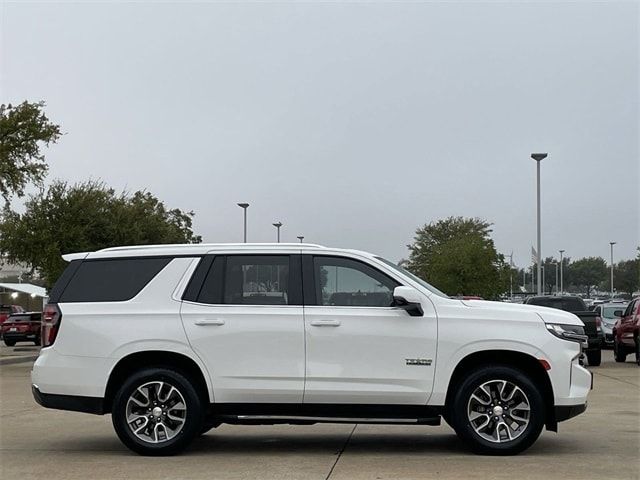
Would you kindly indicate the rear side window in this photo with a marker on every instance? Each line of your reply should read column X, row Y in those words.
column 256, row 280
column 113, row 280
column 247, row 280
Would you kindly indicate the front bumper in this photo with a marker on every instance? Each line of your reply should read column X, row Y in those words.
column 72, row 403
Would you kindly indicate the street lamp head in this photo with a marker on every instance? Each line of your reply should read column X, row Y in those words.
column 612, row 243
column 538, row 156
column 277, row 225
column 243, row 205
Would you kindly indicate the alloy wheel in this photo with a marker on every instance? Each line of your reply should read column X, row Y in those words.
column 156, row 412
column 499, row 411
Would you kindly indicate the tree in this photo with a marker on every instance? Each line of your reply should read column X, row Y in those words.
column 23, row 129
column 84, row 217
column 458, row 256
column 587, row 272
column 627, row 276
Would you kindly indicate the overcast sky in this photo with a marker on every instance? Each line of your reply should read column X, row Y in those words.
column 353, row 124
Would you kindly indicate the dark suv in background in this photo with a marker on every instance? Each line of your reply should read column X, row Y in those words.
column 592, row 321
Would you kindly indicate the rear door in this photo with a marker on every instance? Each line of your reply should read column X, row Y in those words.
column 361, row 349
column 243, row 317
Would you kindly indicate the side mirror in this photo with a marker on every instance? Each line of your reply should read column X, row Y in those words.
column 617, row 313
column 408, row 298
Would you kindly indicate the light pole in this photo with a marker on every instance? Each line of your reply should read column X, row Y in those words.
column 244, row 207
column 300, row 237
column 538, row 157
column 561, row 265
column 612, row 244
column 556, row 264
column 544, row 280
column 278, row 225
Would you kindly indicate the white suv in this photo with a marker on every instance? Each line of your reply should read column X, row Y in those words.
column 174, row 340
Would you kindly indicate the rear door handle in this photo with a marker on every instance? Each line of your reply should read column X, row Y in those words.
column 325, row 323
column 214, row 321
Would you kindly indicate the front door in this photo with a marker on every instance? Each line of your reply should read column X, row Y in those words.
column 246, row 323
column 361, row 349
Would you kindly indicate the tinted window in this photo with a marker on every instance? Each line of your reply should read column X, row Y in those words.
column 255, row 280
column 111, row 280
column 567, row 304
column 211, row 291
column 346, row 282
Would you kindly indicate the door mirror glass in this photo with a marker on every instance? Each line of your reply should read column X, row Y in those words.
column 617, row 313
column 409, row 299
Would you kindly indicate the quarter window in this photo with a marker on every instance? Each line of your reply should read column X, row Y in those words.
column 345, row 282
column 111, row 280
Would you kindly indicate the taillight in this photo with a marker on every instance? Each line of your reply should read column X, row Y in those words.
column 598, row 323
column 51, row 318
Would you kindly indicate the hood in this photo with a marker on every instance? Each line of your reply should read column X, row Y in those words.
column 548, row 315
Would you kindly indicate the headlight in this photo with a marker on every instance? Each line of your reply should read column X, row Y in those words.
column 573, row 333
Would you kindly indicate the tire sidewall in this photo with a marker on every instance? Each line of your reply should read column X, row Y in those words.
column 193, row 422
column 463, row 427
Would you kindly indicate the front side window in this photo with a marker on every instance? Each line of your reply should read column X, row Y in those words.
column 256, row 280
column 350, row 283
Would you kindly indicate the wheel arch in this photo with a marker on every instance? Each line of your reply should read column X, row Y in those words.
column 523, row 361
column 157, row 358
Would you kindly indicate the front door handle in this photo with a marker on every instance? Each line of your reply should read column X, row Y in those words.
column 213, row 321
column 325, row 323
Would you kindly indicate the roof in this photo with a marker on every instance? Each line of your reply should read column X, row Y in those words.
column 27, row 288
column 201, row 249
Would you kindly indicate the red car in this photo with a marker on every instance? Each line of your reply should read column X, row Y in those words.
column 22, row 327
column 626, row 333
column 6, row 310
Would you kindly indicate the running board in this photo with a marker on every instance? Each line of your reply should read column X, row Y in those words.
column 304, row 420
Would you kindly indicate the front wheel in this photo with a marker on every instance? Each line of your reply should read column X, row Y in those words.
column 497, row 410
column 637, row 342
column 157, row 411
column 594, row 357
column 9, row 343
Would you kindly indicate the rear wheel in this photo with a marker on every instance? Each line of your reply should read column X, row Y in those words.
column 498, row 410
column 637, row 342
column 157, row 411
column 9, row 343
column 594, row 357
column 619, row 353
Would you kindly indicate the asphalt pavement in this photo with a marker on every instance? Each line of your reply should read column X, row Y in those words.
column 603, row 443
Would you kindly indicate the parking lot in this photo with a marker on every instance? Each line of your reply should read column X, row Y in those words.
column 38, row 443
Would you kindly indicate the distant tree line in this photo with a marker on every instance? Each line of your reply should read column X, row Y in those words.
column 458, row 256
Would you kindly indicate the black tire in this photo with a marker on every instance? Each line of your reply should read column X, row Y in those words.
column 637, row 342
column 619, row 353
column 193, row 417
column 594, row 357
column 462, row 424
column 9, row 343
column 38, row 342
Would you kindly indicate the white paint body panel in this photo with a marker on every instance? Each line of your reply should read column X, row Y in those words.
column 274, row 354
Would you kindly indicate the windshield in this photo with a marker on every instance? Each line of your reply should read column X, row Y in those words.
column 413, row 277
column 607, row 312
